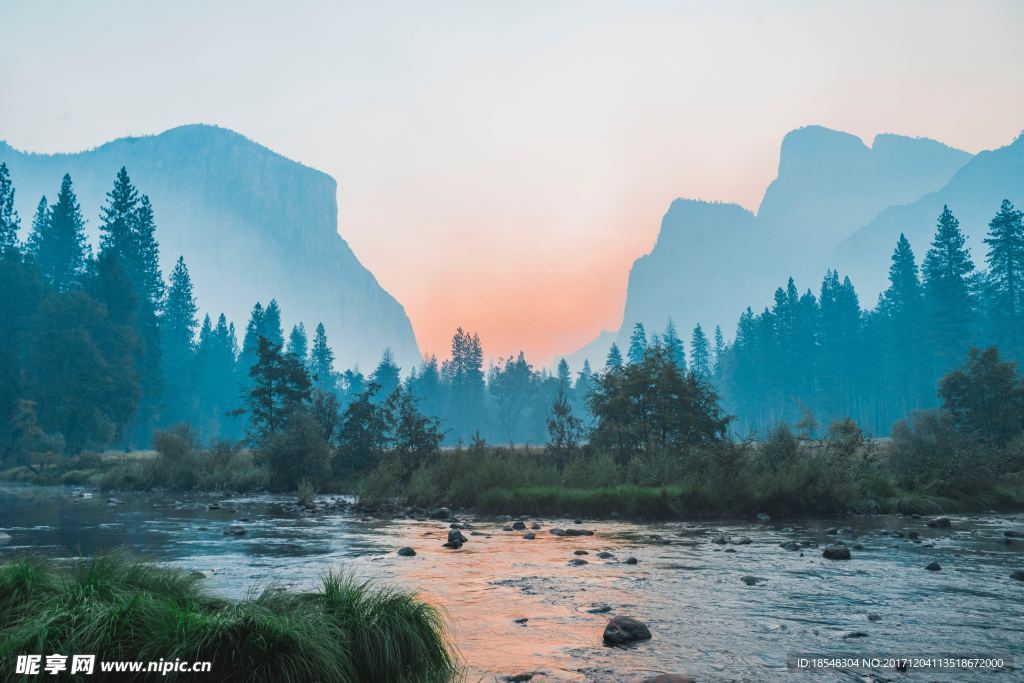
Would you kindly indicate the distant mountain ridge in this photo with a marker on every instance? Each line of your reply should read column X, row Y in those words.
column 251, row 224
column 712, row 260
column 973, row 194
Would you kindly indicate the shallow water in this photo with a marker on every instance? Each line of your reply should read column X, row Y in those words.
column 706, row 622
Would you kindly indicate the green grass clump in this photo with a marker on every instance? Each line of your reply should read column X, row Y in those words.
column 120, row 608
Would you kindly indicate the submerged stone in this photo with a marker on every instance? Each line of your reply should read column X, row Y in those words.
column 625, row 630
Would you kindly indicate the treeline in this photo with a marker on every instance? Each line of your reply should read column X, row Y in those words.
column 100, row 351
column 811, row 360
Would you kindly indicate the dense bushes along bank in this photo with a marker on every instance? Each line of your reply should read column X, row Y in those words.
column 657, row 450
column 122, row 609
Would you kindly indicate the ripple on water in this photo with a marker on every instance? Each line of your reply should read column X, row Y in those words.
column 706, row 621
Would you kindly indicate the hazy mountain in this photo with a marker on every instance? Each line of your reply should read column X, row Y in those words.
column 973, row 195
column 830, row 183
column 251, row 224
column 711, row 260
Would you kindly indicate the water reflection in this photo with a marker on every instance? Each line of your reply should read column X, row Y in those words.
column 517, row 605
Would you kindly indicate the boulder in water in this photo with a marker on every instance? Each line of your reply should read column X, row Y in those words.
column 631, row 560
column 836, row 552
column 751, row 580
column 455, row 536
column 406, row 552
column 625, row 630
column 519, row 526
column 556, row 532
column 235, row 530
column 933, row 567
column 605, row 555
column 579, row 532
column 790, row 545
column 5, row 538
column 577, row 562
column 1018, row 575
column 939, row 523
column 529, row 536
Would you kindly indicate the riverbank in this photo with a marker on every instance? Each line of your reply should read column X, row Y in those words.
column 781, row 477
column 123, row 609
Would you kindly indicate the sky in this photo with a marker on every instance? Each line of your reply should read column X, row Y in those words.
column 501, row 164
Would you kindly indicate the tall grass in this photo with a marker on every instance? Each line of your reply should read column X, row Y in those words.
column 120, row 608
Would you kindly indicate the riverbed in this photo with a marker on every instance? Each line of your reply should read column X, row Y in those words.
column 723, row 600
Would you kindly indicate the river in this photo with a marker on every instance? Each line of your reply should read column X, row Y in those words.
column 706, row 621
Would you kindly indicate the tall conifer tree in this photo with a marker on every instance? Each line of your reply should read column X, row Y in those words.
column 950, row 303
column 58, row 242
column 1005, row 283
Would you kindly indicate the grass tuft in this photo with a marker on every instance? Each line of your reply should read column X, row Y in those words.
column 121, row 608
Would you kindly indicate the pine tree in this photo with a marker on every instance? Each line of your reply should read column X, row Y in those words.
column 465, row 376
column 178, row 345
column 841, row 347
column 1005, row 260
column 674, row 345
column 280, row 385
column 949, row 300
column 271, row 328
column 564, row 376
column 321, row 362
column 58, row 242
column 147, row 255
column 10, row 222
column 217, row 381
column 699, row 353
column 128, row 233
column 614, row 359
column 118, row 216
column 719, row 355
column 901, row 308
column 298, row 343
column 637, row 344
column 387, row 375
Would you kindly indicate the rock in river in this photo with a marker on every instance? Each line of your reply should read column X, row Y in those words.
column 790, row 545
column 579, row 532
column 933, row 567
column 631, row 560
column 577, row 562
column 5, row 538
column 529, row 536
column 406, row 552
column 752, row 580
column 455, row 536
column 556, row 531
column 1018, row 575
column 519, row 526
column 235, row 530
column 939, row 523
column 605, row 555
column 836, row 552
column 625, row 630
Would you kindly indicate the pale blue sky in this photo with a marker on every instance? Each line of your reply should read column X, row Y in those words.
column 531, row 144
